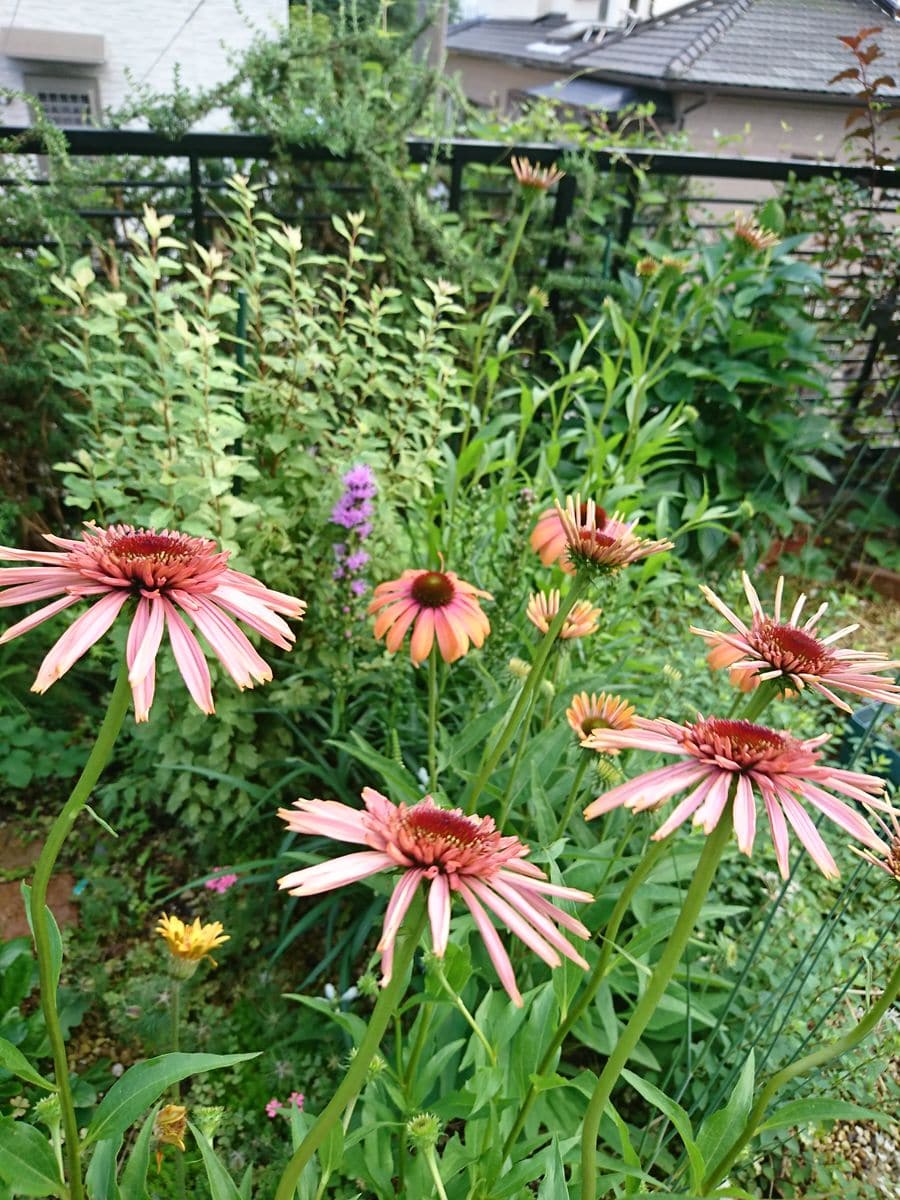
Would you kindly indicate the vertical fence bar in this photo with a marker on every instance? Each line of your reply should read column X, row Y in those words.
column 562, row 211
column 197, row 213
column 457, row 165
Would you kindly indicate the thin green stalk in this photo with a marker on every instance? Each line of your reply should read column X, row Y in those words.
column 646, row 1006
column 431, row 1159
column 573, row 795
column 352, row 1083
column 586, row 999
column 535, row 675
column 513, row 770
column 62, row 826
column 461, row 1007
column 432, row 718
column 175, row 1091
column 802, row 1066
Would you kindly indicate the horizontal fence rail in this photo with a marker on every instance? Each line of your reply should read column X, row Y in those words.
column 458, row 172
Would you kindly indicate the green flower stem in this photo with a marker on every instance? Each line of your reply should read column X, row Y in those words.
column 513, row 770
column 460, row 1005
column 802, row 1066
column 432, row 718
column 514, row 245
column 431, row 1159
column 530, row 686
column 352, row 1083
column 573, row 795
column 586, row 999
column 175, row 1091
column 760, row 699
column 62, row 826
column 646, row 1006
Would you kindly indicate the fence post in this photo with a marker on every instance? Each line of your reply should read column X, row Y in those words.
column 562, row 210
column 457, row 164
column 197, row 213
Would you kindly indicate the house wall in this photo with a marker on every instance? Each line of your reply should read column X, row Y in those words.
column 147, row 39
column 757, row 128
column 489, row 81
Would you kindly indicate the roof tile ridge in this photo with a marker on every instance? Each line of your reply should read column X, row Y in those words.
column 707, row 38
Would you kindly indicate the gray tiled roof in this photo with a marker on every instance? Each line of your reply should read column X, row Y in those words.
column 784, row 45
column 515, row 41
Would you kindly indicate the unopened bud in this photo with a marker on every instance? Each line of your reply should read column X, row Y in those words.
column 424, row 1130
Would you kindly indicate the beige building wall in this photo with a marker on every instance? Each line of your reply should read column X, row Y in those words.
column 489, row 81
column 759, row 128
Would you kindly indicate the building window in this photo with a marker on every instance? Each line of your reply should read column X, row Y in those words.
column 68, row 101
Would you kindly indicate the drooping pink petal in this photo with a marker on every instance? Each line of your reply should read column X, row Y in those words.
column 144, row 638
column 685, row 809
column 189, row 658
column 398, row 906
column 255, row 614
column 326, row 818
column 744, row 815
column 808, row 835
column 494, row 946
column 337, row 872
column 837, row 811
column 439, row 914
column 78, row 639
column 37, row 618
column 653, row 788
column 529, row 911
column 513, row 921
column 779, row 831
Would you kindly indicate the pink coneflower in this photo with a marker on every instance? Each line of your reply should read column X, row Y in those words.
column 594, row 539
column 590, row 712
column 752, row 234
column 774, row 649
column 890, row 861
column 530, row 175
column 760, row 761
column 583, row 618
column 548, row 539
column 163, row 572
column 455, row 853
column 437, row 604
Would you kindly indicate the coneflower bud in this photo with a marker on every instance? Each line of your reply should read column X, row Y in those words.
column 424, row 1130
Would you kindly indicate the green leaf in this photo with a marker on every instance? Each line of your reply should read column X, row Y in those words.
column 101, row 1174
column 398, row 780
column 331, row 1151
column 553, row 1184
column 805, row 1112
column 12, row 1059
column 26, row 1160
column 720, row 1130
column 55, row 936
column 133, row 1184
column 349, row 1022
column 221, row 1185
column 142, row 1085
column 679, row 1118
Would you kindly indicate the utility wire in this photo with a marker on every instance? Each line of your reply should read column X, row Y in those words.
column 172, row 40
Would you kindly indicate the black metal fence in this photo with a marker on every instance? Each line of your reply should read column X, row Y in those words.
column 192, row 171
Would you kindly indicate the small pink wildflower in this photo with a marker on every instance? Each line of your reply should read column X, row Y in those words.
column 274, row 1106
column 221, row 883
column 296, row 1098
